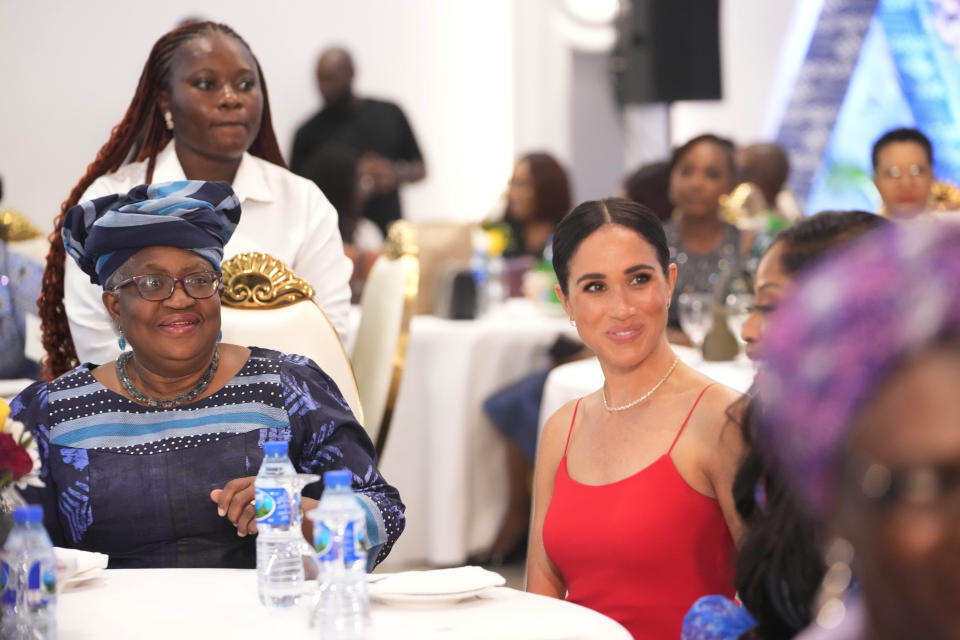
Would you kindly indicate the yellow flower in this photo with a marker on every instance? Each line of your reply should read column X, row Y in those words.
column 4, row 414
column 498, row 242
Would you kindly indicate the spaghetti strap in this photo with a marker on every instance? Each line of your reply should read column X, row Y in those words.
column 695, row 403
column 571, row 427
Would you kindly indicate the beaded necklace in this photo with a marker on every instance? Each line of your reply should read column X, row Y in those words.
column 142, row 398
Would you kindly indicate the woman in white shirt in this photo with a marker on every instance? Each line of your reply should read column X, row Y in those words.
column 200, row 112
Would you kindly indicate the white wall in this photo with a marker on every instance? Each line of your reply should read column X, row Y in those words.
column 480, row 81
column 69, row 69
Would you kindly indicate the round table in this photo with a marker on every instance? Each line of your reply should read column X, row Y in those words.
column 222, row 603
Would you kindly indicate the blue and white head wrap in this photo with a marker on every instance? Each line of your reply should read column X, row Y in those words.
column 103, row 233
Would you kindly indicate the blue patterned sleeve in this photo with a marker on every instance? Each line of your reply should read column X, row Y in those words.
column 325, row 436
column 716, row 618
column 30, row 408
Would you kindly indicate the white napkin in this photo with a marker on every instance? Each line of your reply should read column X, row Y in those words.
column 437, row 581
column 74, row 563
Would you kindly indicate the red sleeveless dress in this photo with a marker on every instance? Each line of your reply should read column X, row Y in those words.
column 640, row 550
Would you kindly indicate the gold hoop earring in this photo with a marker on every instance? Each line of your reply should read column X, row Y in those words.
column 168, row 118
column 830, row 604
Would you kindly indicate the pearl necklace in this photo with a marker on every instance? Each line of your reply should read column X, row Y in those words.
column 142, row 398
column 624, row 407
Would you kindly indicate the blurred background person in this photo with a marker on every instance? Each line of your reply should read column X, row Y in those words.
column 860, row 412
column 767, row 166
column 203, row 111
column 650, row 186
column 377, row 130
column 334, row 170
column 704, row 247
column 538, row 197
column 778, row 567
column 20, row 279
column 903, row 173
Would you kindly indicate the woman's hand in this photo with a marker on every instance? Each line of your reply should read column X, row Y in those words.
column 236, row 502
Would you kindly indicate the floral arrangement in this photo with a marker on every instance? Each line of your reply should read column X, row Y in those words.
column 19, row 460
column 499, row 238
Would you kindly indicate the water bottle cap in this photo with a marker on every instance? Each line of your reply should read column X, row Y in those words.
column 29, row 513
column 275, row 448
column 337, row 478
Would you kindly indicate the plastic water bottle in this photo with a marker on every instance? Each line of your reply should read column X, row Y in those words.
column 29, row 579
column 481, row 278
column 342, row 607
column 279, row 537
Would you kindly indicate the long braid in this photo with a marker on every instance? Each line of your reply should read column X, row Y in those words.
column 143, row 116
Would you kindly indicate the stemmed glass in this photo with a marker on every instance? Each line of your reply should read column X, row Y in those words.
column 695, row 315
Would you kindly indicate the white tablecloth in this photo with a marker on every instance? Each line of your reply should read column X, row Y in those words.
column 222, row 603
column 443, row 454
column 577, row 379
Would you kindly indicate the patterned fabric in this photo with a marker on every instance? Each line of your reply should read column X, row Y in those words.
column 19, row 289
column 134, row 481
column 851, row 320
column 697, row 272
column 716, row 618
column 103, row 233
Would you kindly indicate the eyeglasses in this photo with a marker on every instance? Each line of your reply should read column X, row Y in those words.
column 922, row 487
column 912, row 171
column 157, row 286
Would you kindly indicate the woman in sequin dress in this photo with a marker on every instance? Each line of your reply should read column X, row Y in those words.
column 703, row 246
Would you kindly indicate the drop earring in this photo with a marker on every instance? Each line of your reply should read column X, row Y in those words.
column 122, row 341
column 573, row 323
column 220, row 336
column 168, row 119
column 830, row 604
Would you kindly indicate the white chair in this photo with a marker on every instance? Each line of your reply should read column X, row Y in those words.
column 388, row 302
column 266, row 305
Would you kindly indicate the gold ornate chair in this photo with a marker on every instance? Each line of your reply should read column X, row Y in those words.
column 386, row 307
column 266, row 305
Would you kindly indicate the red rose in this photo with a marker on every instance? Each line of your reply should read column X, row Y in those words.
column 13, row 457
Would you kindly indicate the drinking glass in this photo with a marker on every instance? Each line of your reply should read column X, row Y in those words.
column 695, row 315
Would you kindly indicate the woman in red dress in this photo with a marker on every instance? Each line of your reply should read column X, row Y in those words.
column 633, row 509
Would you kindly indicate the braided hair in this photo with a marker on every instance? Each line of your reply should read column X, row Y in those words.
column 142, row 124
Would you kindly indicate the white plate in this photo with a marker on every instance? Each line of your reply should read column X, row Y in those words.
column 79, row 578
column 429, row 599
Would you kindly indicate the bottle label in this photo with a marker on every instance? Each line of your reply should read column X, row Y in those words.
column 323, row 542
column 41, row 584
column 9, row 597
column 273, row 506
column 354, row 542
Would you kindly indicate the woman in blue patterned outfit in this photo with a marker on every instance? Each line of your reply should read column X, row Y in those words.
column 151, row 459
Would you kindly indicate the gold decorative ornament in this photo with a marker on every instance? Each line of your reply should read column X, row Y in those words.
column 944, row 196
column 259, row 281
column 401, row 240
column 742, row 205
column 15, row 227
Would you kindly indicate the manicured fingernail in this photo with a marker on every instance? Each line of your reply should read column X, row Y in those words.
column 221, row 512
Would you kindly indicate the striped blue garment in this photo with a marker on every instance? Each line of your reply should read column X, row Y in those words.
column 103, row 233
column 134, row 482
